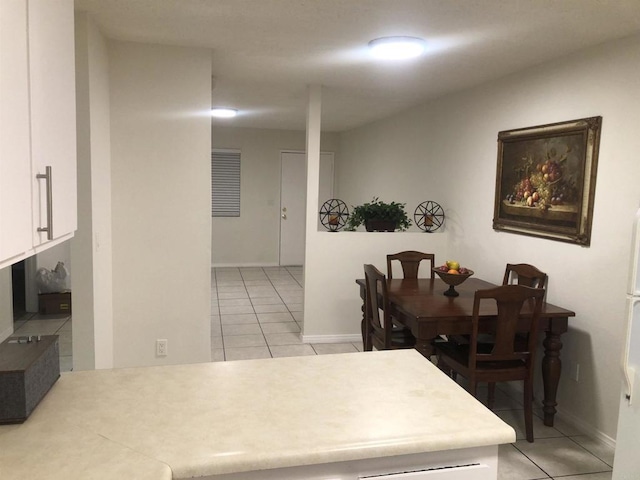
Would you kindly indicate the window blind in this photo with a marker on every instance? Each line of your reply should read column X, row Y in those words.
column 225, row 183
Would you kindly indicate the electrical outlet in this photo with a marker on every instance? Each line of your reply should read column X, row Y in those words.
column 161, row 347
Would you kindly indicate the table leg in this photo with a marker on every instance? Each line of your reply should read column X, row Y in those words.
column 425, row 347
column 551, row 367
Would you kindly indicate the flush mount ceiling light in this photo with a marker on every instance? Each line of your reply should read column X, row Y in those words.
column 396, row 48
column 221, row 112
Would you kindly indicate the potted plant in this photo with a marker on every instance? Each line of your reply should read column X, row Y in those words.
column 378, row 216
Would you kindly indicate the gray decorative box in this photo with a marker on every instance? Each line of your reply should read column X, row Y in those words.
column 28, row 369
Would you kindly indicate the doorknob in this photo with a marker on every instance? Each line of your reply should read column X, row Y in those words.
column 284, row 216
column 284, row 213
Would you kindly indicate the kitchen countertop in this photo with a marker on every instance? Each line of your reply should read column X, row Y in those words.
column 215, row 418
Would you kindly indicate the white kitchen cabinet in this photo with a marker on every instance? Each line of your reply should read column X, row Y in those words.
column 53, row 117
column 15, row 160
column 37, row 128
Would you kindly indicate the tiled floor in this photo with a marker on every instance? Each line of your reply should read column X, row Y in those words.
column 257, row 313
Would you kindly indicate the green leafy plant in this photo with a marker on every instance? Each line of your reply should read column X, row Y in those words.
column 379, row 210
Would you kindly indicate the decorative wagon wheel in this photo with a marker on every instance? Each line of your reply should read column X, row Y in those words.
column 334, row 214
column 429, row 216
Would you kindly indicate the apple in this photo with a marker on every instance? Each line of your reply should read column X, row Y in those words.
column 453, row 265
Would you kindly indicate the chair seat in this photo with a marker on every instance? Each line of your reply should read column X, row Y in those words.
column 460, row 354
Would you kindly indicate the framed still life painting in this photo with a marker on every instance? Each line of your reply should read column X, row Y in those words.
column 546, row 179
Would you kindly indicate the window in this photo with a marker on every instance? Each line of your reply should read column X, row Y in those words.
column 225, row 183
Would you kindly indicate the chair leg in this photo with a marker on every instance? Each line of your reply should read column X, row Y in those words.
column 528, row 409
column 491, row 396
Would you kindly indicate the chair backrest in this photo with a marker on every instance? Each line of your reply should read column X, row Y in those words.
column 410, row 261
column 524, row 274
column 378, row 323
column 510, row 300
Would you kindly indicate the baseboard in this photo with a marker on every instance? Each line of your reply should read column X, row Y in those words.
column 351, row 338
column 576, row 422
column 585, row 428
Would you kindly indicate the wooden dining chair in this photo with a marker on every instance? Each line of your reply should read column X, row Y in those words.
column 410, row 261
column 379, row 330
column 524, row 274
column 500, row 361
column 520, row 274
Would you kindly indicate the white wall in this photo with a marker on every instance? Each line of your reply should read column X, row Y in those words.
column 253, row 238
column 91, row 250
column 447, row 152
column 160, row 191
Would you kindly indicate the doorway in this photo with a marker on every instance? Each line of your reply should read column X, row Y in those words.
column 293, row 202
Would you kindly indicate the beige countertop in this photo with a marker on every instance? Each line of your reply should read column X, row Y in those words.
column 215, row 418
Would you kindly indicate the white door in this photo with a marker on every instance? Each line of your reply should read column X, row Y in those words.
column 293, row 194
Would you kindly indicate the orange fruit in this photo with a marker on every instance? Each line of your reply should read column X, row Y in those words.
column 455, row 272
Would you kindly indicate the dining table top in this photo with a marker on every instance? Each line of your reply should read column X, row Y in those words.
column 424, row 298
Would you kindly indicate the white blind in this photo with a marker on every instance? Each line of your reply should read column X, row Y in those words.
column 225, row 183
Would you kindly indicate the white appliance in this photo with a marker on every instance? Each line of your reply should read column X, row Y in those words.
column 626, row 464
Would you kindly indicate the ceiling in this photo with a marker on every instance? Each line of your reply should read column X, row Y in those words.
column 266, row 52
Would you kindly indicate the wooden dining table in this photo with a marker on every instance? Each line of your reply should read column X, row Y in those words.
column 421, row 306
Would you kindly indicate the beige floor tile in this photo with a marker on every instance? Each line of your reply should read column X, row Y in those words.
column 217, row 355
column 234, row 341
column 274, row 317
column 231, row 289
column 228, row 295
column 277, row 308
column 589, row 476
column 330, row 348
column 237, row 309
column 561, row 456
column 513, row 465
column 234, row 302
column 241, row 329
column 280, row 327
column 602, row 451
column 216, row 343
column 216, row 329
column 247, row 353
column 288, row 338
column 515, row 418
column 258, row 282
column 240, row 318
column 295, row 307
column 274, row 300
column 229, row 283
column 291, row 350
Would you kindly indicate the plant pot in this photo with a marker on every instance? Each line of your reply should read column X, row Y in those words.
column 380, row 225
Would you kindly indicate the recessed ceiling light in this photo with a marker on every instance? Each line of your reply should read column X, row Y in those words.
column 397, row 48
column 220, row 112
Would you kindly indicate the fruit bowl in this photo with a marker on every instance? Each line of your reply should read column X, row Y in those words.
column 452, row 279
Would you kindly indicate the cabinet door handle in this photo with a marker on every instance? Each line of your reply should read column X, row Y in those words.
column 49, row 227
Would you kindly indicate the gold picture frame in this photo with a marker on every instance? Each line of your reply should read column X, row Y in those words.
column 546, row 180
